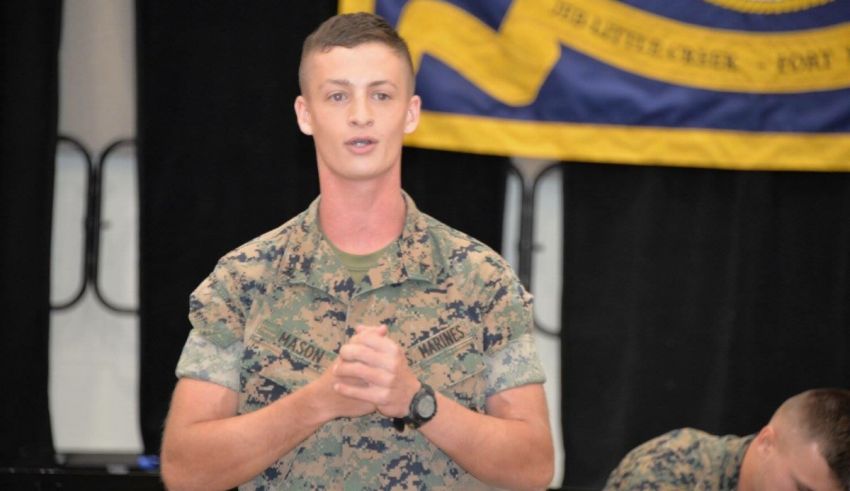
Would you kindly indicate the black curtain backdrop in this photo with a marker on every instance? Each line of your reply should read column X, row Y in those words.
column 29, row 40
column 698, row 298
column 462, row 190
column 221, row 160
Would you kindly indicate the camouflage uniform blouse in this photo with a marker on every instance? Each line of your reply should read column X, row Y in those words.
column 274, row 313
column 682, row 459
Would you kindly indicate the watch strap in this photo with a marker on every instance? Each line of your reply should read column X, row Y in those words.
column 413, row 418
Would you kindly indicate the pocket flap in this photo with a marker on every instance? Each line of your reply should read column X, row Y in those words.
column 451, row 365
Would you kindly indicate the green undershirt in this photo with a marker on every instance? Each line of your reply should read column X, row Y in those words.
column 359, row 264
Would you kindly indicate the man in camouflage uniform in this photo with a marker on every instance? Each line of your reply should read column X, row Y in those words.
column 805, row 446
column 682, row 459
column 314, row 344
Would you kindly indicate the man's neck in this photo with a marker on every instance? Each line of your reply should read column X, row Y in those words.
column 745, row 476
column 361, row 218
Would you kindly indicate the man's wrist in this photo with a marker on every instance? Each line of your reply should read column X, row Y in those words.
column 422, row 408
column 316, row 411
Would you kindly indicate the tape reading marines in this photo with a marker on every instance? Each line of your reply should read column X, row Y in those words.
column 441, row 341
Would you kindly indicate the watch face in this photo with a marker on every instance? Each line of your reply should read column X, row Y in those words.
column 426, row 406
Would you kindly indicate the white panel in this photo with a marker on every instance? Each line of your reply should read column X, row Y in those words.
column 119, row 229
column 93, row 351
column 94, row 380
column 93, row 389
column 97, row 90
column 69, row 213
column 546, row 279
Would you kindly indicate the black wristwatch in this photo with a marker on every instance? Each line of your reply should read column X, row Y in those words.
column 423, row 407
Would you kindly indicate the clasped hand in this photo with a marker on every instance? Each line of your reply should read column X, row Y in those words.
column 372, row 368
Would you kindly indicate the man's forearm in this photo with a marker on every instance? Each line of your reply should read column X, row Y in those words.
column 510, row 446
column 505, row 452
column 223, row 453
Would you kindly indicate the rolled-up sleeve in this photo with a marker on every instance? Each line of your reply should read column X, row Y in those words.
column 213, row 349
column 510, row 350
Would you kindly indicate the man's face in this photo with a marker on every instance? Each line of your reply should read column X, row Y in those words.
column 358, row 105
column 793, row 463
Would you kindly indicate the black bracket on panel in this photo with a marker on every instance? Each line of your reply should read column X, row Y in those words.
column 92, row 225
column 527, row 247
column 97, row 225
column 90, row 177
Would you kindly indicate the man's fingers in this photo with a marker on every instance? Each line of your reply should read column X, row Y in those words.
column 372, row 394
column 376, row 341
column 353, row 381
column 356, row 352
column 365, row 373
column 381, row 329
column 385, row 360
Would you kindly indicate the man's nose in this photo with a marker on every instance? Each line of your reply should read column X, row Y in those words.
column 361, row 113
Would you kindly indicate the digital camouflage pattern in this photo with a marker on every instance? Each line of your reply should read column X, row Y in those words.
column 274, row 313
column 682, row 459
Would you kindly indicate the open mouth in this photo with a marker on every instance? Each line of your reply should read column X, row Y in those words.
column 361, row 142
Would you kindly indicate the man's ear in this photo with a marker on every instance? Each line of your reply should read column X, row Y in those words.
column 411, row 120
column 766, row 439
column 302, row 114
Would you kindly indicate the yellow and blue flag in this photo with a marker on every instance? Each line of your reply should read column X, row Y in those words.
column 739, row 84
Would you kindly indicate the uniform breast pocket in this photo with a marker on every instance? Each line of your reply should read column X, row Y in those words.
column 274, row 370
column 458, row 372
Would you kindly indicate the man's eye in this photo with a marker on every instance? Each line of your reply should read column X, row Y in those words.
column 381, row 96
column 337, row 97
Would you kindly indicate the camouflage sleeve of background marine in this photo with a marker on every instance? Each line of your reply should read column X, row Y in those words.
column 510, row 353
column 671, row 461
column 213, row 349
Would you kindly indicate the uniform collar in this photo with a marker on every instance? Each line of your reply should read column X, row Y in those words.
column 735, row 449
column 309, row 258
